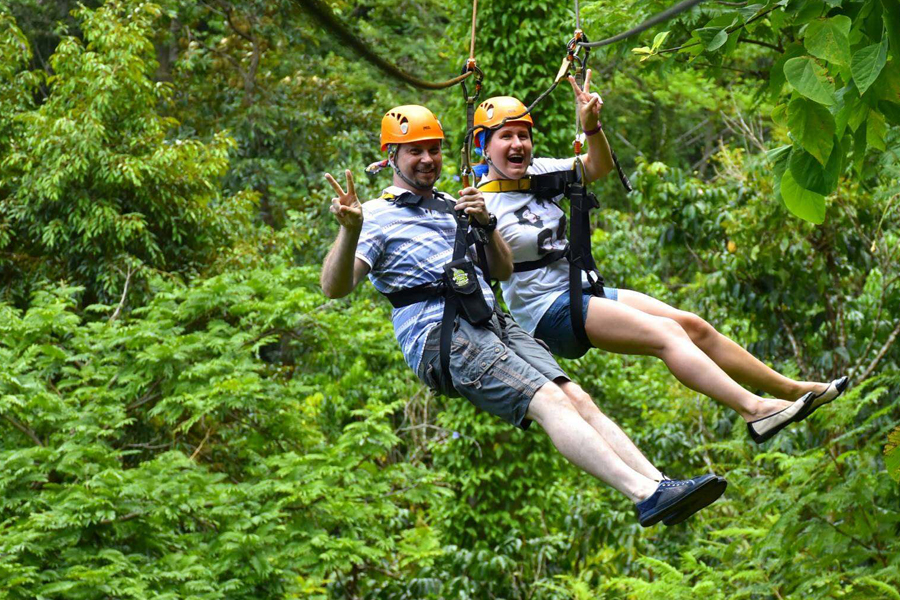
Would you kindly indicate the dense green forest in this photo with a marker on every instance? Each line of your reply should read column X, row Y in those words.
column 183, row 414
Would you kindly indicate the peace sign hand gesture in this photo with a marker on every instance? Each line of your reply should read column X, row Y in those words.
column 588, row 104
column 346, row 207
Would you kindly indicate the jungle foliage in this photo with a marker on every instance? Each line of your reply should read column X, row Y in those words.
column 183, row 414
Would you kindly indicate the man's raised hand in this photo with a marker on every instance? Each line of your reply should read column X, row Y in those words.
column 346, row 207
column 471, row 201
column 588, row 104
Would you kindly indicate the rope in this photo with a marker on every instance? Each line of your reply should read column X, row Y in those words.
column 331, row 22
column 654, row 20
column 472, row 42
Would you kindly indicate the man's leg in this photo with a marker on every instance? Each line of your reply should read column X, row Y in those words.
column 611, row 433
column 583, row 446
column 739, row 364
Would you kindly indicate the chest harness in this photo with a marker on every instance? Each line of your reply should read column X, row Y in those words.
column 459, row 284
column 548, row 186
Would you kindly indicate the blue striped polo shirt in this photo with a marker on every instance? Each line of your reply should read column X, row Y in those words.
column 406, row 246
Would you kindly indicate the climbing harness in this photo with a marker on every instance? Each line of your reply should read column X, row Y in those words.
column 549, row 187
column 459, row 284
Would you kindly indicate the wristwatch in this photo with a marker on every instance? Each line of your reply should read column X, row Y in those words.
column 491, row 224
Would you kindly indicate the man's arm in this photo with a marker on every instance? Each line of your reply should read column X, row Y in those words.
column 499, row 256
column 342, row 271
column 598, row 162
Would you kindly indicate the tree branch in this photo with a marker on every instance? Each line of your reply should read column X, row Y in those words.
column 887, row 346
column 24, row 429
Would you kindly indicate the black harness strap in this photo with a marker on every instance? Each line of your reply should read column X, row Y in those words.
column 547, row 259
column 464, row 237
column 548, row 186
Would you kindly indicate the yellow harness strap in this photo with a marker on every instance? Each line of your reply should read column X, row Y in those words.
column 506, row 185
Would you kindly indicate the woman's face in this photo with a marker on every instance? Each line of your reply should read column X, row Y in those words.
column 510, row 150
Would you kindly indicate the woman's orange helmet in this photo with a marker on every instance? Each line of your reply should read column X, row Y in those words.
column 492, row 111
column 409, row 123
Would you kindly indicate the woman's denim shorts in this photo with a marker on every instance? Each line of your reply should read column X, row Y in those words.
column 555, row 327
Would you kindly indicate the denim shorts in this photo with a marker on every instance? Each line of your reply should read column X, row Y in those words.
column 555, row 327
column 498, row 368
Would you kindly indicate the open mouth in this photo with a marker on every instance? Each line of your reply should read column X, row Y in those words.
column 516, row 159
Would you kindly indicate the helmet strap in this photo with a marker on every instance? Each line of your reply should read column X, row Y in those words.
column 392, row 151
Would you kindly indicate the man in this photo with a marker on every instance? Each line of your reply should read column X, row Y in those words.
column 402, row 241
column 622, row 321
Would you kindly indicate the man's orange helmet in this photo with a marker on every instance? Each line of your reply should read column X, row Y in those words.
column 409, row 123
column 492, row 111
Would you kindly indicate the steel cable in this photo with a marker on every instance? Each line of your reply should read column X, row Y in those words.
column 654, row 20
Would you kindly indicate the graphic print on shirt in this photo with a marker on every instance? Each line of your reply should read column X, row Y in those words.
column 547, row 239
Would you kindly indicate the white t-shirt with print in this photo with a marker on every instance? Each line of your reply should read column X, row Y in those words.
column 532, row 228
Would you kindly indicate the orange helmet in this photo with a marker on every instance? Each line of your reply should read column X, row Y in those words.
column 492, row 111
column 409, row 123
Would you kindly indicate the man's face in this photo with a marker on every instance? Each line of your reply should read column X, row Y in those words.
column 510, row 149
column 420, row 162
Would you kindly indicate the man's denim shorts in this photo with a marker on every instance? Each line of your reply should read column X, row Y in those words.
column 498, row 367
column 555, row 327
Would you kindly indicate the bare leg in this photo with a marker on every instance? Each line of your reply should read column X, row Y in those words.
column 740, row 365
column 612, row 433
column 617, row 327
column 582, row 445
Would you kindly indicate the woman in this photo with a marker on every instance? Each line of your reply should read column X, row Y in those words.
column 622, row 321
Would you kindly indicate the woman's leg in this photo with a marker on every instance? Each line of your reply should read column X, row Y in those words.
column 617, row 327
column 740, row 365
column 612, row 433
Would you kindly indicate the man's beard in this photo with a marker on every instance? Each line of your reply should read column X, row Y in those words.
column 425, row 178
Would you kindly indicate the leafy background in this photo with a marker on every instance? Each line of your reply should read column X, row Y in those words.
column 184, row 415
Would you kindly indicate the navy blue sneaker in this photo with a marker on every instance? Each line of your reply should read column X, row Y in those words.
column 716, row 487
column 684, row 497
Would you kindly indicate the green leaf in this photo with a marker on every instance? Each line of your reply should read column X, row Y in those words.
column 828, row 39
column 712, row 38
column 847, row 99
column 859, row 150
column 892, row 454
column 867, row 63
column 658, row 40
column 876, row 128
column 810, row 79
column 891, row 16
column 807, row 171
column 776, row 73
column 890, row 111
column 807, row 205
column 887, row 86
column 813, row 127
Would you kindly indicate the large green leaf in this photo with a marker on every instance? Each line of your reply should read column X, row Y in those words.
column 828, row 39
column 876, row 129
column 890, row 111
column 810, row 79
column 891, row 15
column 807, row 171
column 866, row 64
column 804, row 203
column 813, row 127
column 847, row 98
column 776, row 73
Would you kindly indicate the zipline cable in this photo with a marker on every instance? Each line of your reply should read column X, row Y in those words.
column 326, row 17
column 654, row 20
